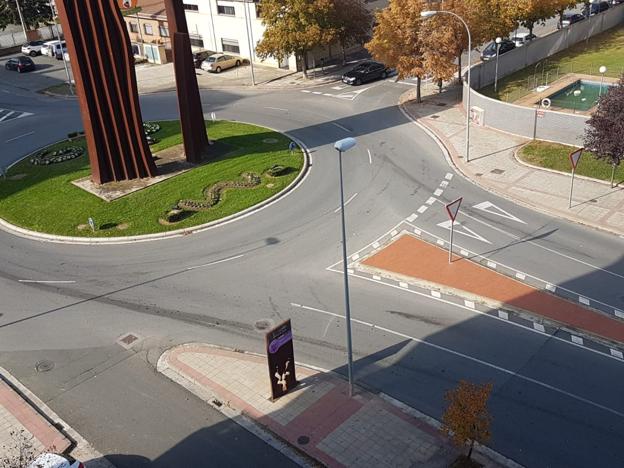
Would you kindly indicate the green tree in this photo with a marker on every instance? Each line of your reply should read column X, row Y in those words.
column 34, row 12
column 532, row 12
column 296, row 27
column 352, row 22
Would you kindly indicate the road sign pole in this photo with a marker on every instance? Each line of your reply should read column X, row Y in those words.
column 571, row 188
column 451, row 242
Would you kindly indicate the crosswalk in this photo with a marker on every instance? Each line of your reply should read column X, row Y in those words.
column 8, row 114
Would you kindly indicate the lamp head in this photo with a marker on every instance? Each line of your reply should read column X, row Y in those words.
column 428, row 13
column 345, row 144
column 577, row 93
column 498, row 40
column 602, row 69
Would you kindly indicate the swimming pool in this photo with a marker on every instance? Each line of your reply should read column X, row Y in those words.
column 590, row 91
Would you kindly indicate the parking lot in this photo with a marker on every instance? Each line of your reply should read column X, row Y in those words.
column 49, row 72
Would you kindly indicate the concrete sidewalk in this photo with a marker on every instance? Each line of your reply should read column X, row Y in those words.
column 318, row 422
column 493, row 165
column 30, row 426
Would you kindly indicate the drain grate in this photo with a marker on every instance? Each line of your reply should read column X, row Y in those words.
column 497, row 171
column 440, row 104
column 44, row 366
column 263, row 324
column 303, row 440
column 128, row 340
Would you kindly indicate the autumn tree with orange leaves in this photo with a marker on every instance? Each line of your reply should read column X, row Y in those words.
column 466, row 419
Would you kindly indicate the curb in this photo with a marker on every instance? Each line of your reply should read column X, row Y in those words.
column 451, row 161
column 280, row 445
column 81, row 450
column 34, row 235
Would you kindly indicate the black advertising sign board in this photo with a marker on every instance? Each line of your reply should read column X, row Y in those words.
column 281, row 359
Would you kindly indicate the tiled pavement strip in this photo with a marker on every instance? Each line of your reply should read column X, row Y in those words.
column 317, row 418
column 22, row 423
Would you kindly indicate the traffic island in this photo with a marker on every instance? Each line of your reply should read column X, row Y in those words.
column 50, row 191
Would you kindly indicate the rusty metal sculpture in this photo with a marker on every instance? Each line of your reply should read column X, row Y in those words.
column 189, row 104
column 103, row 68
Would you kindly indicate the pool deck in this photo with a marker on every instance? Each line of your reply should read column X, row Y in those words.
column 533, row 99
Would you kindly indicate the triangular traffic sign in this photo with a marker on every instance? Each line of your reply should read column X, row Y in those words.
column 453, row 208
column 575, row 156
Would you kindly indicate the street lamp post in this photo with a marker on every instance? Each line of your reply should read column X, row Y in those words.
column 21, row 17
column 341, row 146
column 576, row 93
column 429, row 14
column 498, row 42
column 602, row 71
column 249, row 43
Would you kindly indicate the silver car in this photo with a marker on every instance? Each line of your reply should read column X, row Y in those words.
column 218, row 62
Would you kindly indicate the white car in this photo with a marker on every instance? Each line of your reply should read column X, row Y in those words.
column 219, row 62
column 55, row 460
column 53, row 48
column 32, row 48
column 522, row 38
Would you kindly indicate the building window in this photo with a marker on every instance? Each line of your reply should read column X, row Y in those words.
column 148, row 29
column 226, row 10
column 230, row 45
column 164, row 31
column 134, row 27
column 197, row 41
column 189, row 7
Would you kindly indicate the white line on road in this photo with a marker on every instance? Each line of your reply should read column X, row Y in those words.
column 7, row 115
column 370, row 157
column 21, row 136
column 470, row 358
column 347, row 202
column 47, row 281
column 438, row 192
column 215, row 262
column 341, row 127
column 277, row 108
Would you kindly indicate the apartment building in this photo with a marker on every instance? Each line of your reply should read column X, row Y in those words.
column 148, row 30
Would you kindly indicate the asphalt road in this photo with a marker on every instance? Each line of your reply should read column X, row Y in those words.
column 554, row 404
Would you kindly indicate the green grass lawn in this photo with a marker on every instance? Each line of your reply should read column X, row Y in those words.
column 555, row 156
column 45, row 200
column 584, row 57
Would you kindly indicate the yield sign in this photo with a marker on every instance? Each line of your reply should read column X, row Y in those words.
column 463, row 230
column 575, row 156
column 491, row 208
column 453, row 208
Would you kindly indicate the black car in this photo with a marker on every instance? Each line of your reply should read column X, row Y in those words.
column 597, row 7
column 365, row 71
column 20, row 64
column 200, row 56
column 489, row 52
column 570, row 18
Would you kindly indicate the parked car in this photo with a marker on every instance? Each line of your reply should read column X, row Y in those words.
column 51, row 48
column 20, row 64
column 219, row 62
column 598, row 7
column 32, row 48
column 200, row 56
column 59, row 53
column 570, row 18
column 365, row 71
column 45, row 49
column 522, row 38
column 489, row 52
column 55, row 460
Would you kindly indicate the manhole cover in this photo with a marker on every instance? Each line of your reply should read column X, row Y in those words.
column 441, row 104
column 128, row 340
column 270, row 141
column 263, row 324
column 44, row 366
column 303, row 440
column 497, row 171
column 435, row 117
column 593, row 200
column 479, row 174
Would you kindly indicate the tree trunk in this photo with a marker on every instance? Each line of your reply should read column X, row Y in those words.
column 418, row 95
column 304, row 64
column 471, row 447
column 344, row 55
column 459, row 66
column 612, row 174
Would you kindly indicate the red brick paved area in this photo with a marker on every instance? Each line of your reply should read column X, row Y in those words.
column 317, row 417
column 414, row 258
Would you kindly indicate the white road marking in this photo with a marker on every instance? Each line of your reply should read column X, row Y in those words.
column 370, row 157
column 18, row 137
column 463, row 252
column 355, row 257
column 417, row 231
column 412, row 217
column 47, row 281
column 504, row 315
column 617, row 353
column 444, row 184
column 277, row 108
column 347, row 202
column 338, row 88
column 403, row 285
column 618, row 313
column 440, row 242
column 329, row 322
column 491, row 208
column 520, row 276
column 9, row 113
column 576, row 339
column 430, row 201
column 305, row 91
column 422, row 209
column 341, row 127
column 472, row 359
column 539, row 327
column 438, row 192
column 436, row 294
column 375, row 245
column 327, row 94
column 551, row 287
column 461, row 229
column 229, row 259
column 316, row 92
column 394, row 232
column 448, row 176
column 378, row 278
column 469, row 304
column 583, row 300
column 491, row 264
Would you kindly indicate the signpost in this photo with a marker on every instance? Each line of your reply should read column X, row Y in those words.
column 213, row 116
column 92, row 224
column 292, row 146
column 281, row 359
column 575, row 156
column 452, row 209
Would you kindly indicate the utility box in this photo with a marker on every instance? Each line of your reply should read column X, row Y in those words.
column 477, row 116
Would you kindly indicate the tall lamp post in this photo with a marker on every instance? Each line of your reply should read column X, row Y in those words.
column 341, row 146
column 21, row 17
column 602, row 71
column 498, row 42
column 429, row 14
column 576, row 93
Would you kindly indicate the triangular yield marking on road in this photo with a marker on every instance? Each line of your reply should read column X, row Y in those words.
column 461, row 229
column 491, row 208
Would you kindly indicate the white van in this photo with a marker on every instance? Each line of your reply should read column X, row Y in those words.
column 54, row 48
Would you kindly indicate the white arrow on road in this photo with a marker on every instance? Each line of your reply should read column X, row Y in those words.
column 463, row 230
column 491, row 208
